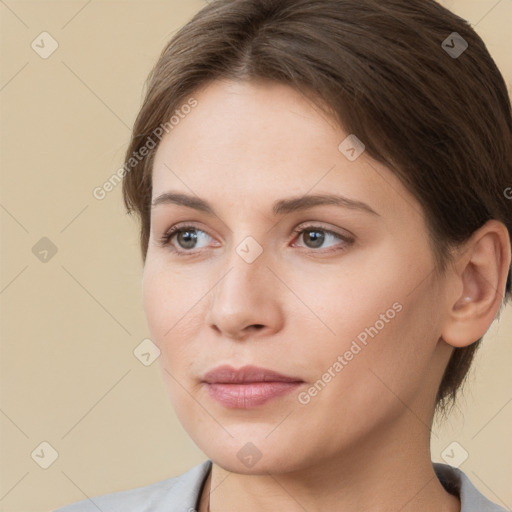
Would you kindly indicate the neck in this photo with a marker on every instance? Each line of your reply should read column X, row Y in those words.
column 390, row 472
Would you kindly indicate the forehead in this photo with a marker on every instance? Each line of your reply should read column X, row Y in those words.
column 247, row 142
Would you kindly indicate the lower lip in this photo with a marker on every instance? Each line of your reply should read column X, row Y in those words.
column 247, row 396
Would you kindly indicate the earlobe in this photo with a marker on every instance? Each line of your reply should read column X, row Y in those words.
column 481, row 273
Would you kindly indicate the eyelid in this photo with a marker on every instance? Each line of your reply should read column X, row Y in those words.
column 165, row 239
column 348, row 236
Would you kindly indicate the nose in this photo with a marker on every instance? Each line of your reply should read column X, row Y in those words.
column 245, row 303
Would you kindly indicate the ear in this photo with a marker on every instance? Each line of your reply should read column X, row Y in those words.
column 480, row 276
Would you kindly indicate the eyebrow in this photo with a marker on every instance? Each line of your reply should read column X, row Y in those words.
column 280, row 207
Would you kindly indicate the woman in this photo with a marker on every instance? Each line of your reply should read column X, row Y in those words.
column 325, row 229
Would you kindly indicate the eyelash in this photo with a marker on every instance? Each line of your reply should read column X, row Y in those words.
column 165, row 239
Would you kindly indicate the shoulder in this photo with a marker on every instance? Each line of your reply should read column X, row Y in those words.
column 456, row 482
column 178, row 493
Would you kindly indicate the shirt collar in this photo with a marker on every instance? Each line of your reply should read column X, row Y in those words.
column 452, row 479
column 456, row 482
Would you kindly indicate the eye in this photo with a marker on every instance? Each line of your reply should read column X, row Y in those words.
column 185, row 240
column 188, row 238
column 315, row 237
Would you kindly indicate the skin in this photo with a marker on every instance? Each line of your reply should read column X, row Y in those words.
column 245, row 146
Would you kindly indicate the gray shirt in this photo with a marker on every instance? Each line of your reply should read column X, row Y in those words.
column 181, row 494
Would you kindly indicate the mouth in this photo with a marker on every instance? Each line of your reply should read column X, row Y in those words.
column 247, row 387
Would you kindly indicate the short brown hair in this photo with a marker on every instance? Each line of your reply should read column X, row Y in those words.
column 441, row 123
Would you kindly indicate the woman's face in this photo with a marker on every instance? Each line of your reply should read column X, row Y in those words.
column 339, row 295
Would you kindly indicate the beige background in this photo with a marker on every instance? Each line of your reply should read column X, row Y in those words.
column 69, row 325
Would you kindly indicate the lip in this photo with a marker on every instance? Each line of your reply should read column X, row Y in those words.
column 247, row 387
column 226, row 374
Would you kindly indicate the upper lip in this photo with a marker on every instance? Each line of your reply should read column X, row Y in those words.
column 229, row 375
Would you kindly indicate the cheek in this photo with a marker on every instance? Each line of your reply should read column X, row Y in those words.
column 375, row 316
column 174, row 306
column 156, row 303
column 164, row 303
column 356, row 300
column 372, row 367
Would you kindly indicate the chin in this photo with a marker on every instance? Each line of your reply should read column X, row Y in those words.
column 258, row 457
column 264, row 466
